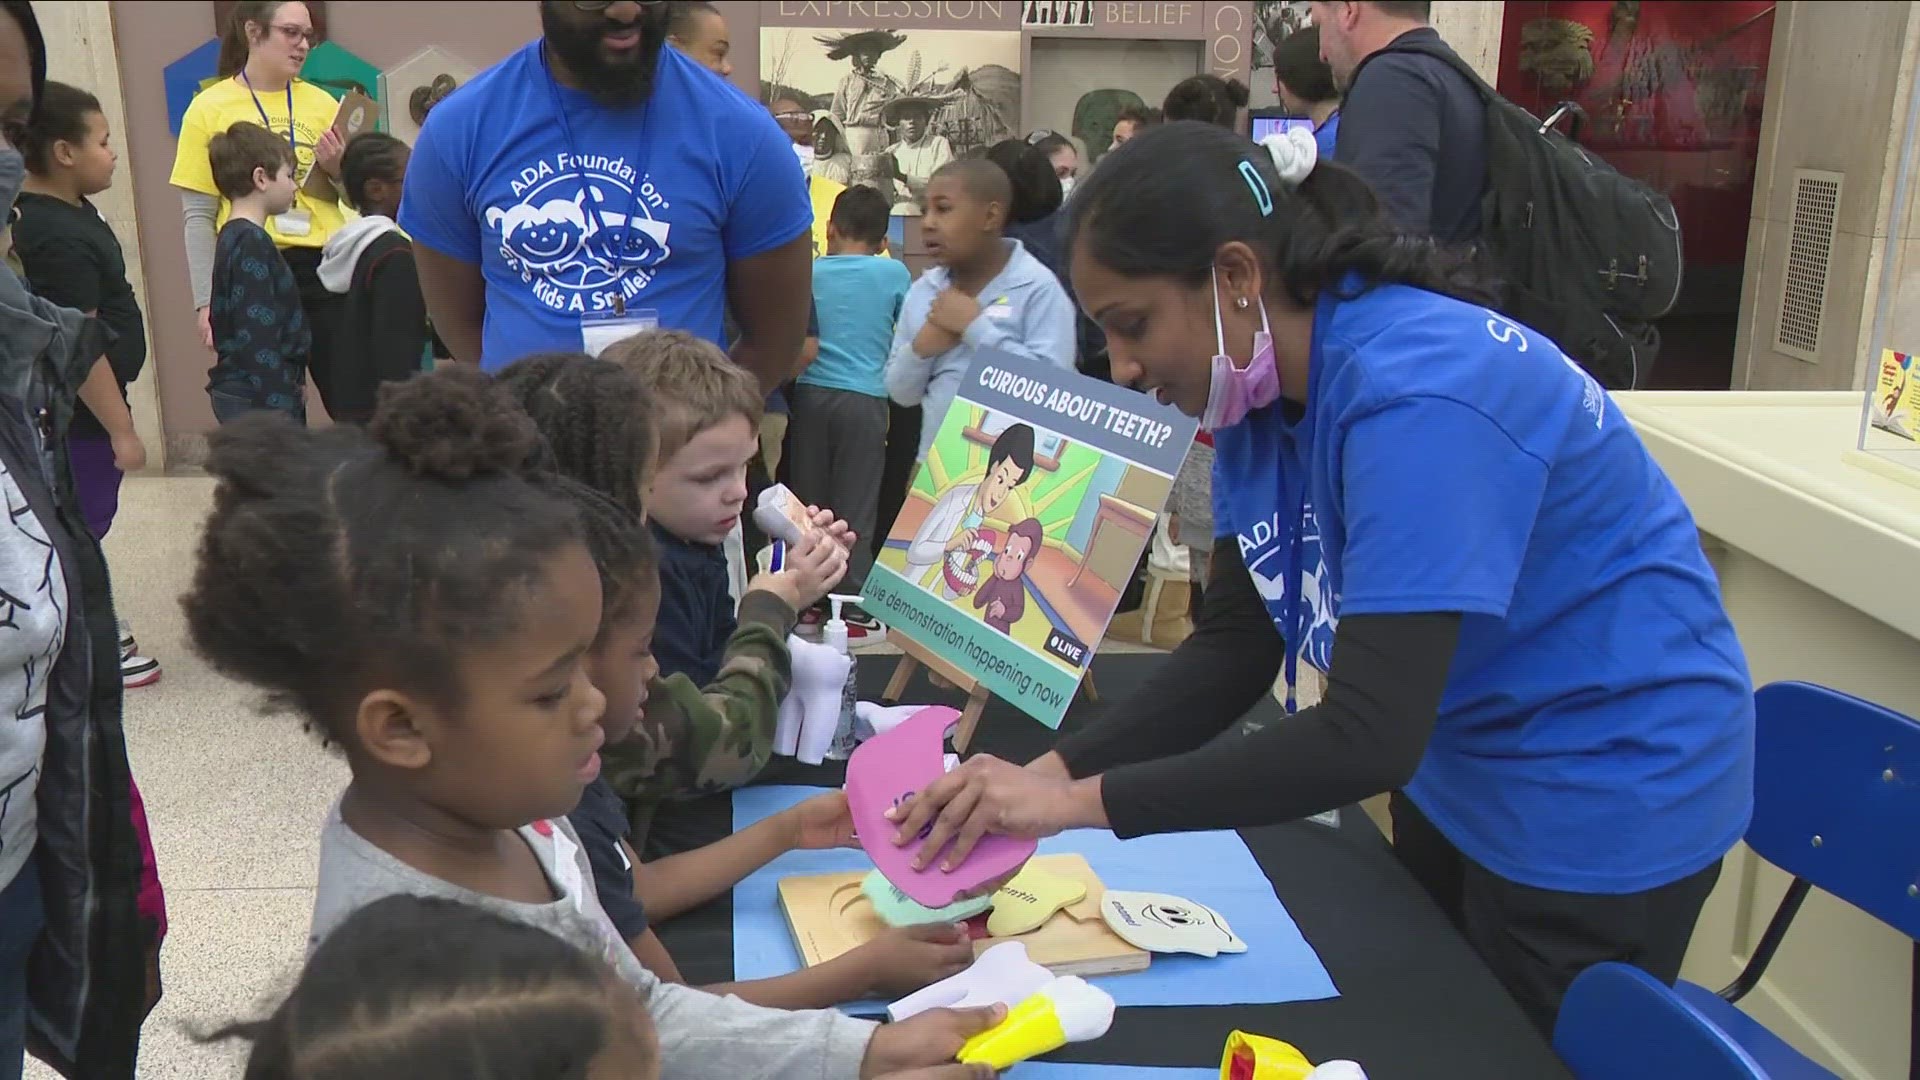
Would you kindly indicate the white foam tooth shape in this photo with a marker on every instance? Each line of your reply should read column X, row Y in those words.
column 1158, row 922
column 819, row 676
column 874, row 718
column 1338, row 1070
column 786, row 732
column 1002, row 974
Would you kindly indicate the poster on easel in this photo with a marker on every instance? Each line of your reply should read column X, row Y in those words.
column 1895, row 405
column 1024, row 524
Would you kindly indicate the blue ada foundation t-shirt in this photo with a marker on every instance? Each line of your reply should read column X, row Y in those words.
column 566, row 203
column 1596, row 734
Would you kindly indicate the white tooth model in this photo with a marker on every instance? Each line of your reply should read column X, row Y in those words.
column 1001, row 974
column 811, row 709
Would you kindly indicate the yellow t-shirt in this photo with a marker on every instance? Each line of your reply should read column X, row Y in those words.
column 823, row 192
column 228, row 101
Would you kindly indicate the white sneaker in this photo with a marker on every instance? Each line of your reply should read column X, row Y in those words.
column 137, row 671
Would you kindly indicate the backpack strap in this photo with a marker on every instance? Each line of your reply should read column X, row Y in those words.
column 1440, row 51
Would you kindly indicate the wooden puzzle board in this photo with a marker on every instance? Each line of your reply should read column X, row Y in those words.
column 829, row 916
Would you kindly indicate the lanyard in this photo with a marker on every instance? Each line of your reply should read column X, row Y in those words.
column 268, row 124
column 609, row 249
column 1296, row 579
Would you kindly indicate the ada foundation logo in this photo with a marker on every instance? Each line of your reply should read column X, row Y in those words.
column 1265, row 551
column 567, row 233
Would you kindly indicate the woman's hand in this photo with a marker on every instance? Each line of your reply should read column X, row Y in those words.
column 819, row 823
column 327, row 152
column 1050, row 764
column 204, row 318
column 904, row 959
column 925, row 1042
column 987, row 795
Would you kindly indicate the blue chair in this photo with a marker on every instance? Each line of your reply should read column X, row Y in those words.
column 1618, row 1021
column 1836, row 804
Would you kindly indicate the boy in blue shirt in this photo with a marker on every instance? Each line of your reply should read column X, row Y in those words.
column 987, row 292
column 840, row 403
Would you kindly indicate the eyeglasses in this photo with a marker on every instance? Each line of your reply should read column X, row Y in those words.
column 294, row 32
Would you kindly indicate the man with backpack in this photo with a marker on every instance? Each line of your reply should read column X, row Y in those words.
column 1585, row 255
column 1412, row 125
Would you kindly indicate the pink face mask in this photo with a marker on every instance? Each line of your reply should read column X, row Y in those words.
column 1236, row 391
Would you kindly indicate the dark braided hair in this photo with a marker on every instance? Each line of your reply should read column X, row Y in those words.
column 433, row 989
column 1209, row 99
column 370, row 155
column 591, row 414
column 340, row 561
column 621, row 549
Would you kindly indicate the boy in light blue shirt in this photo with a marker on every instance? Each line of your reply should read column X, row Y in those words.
column 986, row 292
column 839, row 432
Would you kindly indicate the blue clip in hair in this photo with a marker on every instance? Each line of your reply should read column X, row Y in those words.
column 1261, row 195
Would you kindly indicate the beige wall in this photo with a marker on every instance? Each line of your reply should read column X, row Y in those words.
column 1472, row 27
column 1835, row 88
column 80, row 51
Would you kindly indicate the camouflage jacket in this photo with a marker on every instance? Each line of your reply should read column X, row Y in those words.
column 699, row 740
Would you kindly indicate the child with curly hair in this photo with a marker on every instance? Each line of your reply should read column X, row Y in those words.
column 423, row 595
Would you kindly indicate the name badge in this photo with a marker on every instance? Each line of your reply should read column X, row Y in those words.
column 1000, row 312
column 295, row 222
column 601, row 329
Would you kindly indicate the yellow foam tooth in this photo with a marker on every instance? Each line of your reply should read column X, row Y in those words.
column 1030, row 899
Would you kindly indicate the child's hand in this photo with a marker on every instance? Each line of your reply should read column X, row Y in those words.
column 203, row 318
column 837, row 528
column 926, row 1042
column 814, row 566
column 953, row 311
column 951, row 1071
column 819, row 823
column 934, row 339
column 904, row 959
column 129, row 453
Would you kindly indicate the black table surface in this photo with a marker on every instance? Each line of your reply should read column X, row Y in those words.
column 1415, row 1001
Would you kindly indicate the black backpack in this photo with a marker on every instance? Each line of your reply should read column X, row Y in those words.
column 1587, row 256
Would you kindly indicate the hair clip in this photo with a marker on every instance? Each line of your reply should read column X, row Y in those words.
column 1262, row 197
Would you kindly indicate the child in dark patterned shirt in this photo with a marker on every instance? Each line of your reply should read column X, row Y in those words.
column 260, row 333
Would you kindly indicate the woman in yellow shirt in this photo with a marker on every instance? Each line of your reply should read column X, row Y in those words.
column 261, row 54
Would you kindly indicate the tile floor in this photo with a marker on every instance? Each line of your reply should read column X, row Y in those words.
column 234, row 797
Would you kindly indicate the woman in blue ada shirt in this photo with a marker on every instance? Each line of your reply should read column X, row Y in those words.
column 1527, row 646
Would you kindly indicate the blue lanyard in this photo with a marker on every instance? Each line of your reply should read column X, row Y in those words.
column 609, row 250
column 1296, row 580
column 268, row 124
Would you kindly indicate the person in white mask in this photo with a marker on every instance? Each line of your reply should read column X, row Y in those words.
column 1061, row 153
column 1522, row 639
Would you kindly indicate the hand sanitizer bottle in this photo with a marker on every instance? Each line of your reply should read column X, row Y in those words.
column 835, row 637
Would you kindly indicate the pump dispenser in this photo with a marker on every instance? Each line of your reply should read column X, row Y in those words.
column 834, row 636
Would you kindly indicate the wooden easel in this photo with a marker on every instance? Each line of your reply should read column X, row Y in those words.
column 915, row 656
